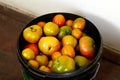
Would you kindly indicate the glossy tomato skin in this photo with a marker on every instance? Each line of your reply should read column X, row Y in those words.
column 32, row 33
column 63, row 64
column 79, row 23
column 87, row 46
column 34, row 47
column 59, row 19
column 28, row 54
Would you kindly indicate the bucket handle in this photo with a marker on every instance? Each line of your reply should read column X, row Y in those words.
column 96, row 71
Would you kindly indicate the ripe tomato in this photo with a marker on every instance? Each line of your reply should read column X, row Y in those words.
column 87, row 46
column 79, row 23
column 69, row 22
column 45, row 68
column 56, row 54
column 50, row 63
column 41, row 23
column 42, row 59
column 34, row 47
column 59, row 19
column 28, row 53
column 68, row 50
column 77, row 33
column 69, row 40
column 33, row 63
column 32, row 34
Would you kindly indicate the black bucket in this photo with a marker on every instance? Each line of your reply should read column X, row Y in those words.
column 80, row 74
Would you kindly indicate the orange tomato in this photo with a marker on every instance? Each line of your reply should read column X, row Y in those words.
column 69, row 22
column 55, row 55
column 77, row 33
column 79, row 23
column 33, row 63
column 59, row 19
column 41, row 23
column 68, row 50
column 45, row 69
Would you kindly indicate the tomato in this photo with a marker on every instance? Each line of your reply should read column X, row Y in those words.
column 41, row 24
column 45, row 68
column 48, row 45
column 59, row 19
column 63, row 64
column 50, row 63
column 34, row 47
column 42, row 59
column 55, row 55
column 87, row 46
column 33, row 63
column 51, row 29
column 69, row 22
column 64, row 30
column 32, row 34
column 77, row 33
column 79, row 23
column 81, row 61
column 68, row 50
column 28, row 53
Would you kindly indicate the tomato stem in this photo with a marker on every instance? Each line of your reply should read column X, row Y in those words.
column 33, row 29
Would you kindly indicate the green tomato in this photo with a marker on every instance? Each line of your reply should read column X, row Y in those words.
column 63, row 64
column 51, row 29
column 81, row 61
column 64, row 30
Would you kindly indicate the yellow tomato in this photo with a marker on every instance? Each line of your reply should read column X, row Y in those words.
column 79, row 23
column 32, row 34
column 48, row 45
column 33, row 63
column 28, row 53
column 69, row 40
column 42, row 59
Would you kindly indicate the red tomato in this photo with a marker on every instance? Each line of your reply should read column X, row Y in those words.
column 34, row 47
column 87, row 46
column 59, row 19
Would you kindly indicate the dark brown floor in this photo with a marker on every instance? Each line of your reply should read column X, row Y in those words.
column 9, row 64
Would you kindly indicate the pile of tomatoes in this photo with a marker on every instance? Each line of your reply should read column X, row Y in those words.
column 59, row 45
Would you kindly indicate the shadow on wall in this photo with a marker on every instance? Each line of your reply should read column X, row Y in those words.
column 109, row 32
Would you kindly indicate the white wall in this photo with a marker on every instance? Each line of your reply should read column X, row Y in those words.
column 105, row 14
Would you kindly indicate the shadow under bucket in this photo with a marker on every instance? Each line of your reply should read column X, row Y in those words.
column 87, row 73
